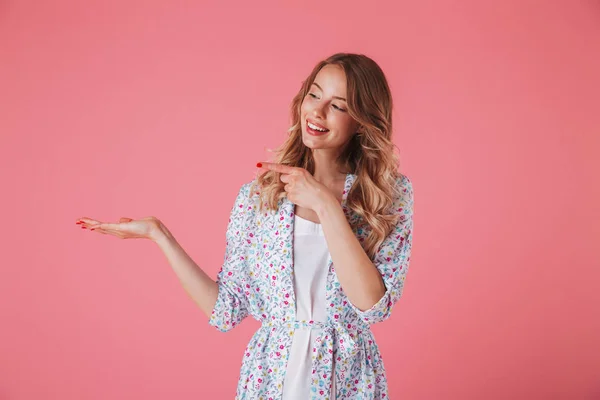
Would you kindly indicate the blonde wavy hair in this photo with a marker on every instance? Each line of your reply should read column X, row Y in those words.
column 369, row 155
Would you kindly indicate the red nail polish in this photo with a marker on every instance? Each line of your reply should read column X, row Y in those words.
column 258, row 165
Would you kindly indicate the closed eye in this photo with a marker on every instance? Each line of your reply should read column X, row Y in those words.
column 334, row 106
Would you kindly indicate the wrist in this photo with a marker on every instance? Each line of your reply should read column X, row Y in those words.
column 326, row 205
column 160, row 233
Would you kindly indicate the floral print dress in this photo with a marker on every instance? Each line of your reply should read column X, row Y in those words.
column 257, row 279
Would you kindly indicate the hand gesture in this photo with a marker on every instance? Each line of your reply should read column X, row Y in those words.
column 301, row 187
column 126, row 228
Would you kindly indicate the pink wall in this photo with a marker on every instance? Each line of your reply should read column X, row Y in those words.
column 111, row 109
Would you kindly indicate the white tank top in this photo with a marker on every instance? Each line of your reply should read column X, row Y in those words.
column 310, row 278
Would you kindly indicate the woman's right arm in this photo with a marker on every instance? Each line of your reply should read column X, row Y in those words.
column 198, row 285
column 225, row 301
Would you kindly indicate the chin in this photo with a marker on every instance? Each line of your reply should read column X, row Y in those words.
column 310, row 143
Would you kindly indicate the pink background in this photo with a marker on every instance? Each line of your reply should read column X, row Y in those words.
column 111, row 108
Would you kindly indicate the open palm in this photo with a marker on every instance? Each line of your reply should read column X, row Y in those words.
column 126, row 228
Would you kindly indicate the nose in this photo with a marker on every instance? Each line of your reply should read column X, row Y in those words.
column 318, row 111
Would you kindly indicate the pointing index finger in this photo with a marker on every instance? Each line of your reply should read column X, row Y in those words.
column 286, row 169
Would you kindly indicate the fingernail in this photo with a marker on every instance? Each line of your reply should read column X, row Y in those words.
column 258, row 165
column 78, row 222
column 83, row 227
column 92, row 229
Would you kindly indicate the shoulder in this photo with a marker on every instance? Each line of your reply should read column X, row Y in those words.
column 404, row 194
column 404, row 185
column 247, row 197
column 249, row 189
column 245, row 188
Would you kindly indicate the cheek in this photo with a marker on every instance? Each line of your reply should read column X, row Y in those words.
column 304, row 108
column 342, row 123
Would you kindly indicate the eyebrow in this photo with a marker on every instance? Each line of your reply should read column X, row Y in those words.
column 335, row 97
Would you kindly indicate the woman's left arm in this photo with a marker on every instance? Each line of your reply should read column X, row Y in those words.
column 360, row 279
column 371, row 287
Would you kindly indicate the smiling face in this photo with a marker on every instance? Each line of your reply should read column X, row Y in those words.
column 325, row 108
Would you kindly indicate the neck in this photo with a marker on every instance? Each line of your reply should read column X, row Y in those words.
column 326, row 169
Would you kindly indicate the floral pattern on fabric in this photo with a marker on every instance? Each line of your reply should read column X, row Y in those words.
column 257, row 279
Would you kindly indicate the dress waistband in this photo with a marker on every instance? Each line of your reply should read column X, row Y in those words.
column 333, row 338
column 334, row 341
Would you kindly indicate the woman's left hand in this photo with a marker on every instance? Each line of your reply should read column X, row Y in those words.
column 300, row 186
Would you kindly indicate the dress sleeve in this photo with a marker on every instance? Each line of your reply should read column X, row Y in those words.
column 232, row 302
column 393, row 257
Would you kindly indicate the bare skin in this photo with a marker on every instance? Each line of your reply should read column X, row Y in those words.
column 127, row 228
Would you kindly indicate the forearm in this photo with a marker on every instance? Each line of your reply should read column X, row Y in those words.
column 360, row 279
column 199, row 286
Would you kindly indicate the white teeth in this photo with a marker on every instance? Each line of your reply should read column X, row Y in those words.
column 311, row 126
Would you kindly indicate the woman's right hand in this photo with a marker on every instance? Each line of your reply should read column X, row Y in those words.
column 126, row 228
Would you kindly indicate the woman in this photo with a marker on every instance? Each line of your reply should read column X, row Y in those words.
column 333, row 198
